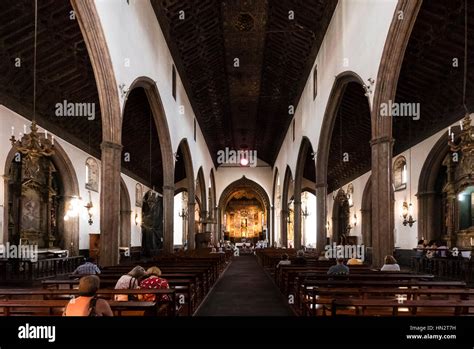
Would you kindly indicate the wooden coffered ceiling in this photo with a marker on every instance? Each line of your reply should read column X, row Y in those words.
column 244, row 106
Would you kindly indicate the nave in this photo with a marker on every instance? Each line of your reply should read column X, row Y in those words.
column 196, row 152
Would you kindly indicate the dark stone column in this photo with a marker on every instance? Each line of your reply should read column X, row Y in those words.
column 284, row 227
column 297, row 223
column 168, row 218
column 191, row 224
column 382, row 201
column 110, row 203
column 321, row 233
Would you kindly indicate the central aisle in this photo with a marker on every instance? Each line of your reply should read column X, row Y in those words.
column 245, row 290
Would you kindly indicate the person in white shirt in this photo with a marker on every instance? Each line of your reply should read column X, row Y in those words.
column 390, row 264
column 285, row 260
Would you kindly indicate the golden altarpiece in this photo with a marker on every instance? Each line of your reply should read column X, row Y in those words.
column 459, row 189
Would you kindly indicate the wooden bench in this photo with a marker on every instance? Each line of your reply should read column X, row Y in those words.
column 315, row 298
column 461, row 307
column 66, row 294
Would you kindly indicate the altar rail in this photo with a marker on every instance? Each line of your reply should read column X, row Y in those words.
column 16, row 270
column 446, row 268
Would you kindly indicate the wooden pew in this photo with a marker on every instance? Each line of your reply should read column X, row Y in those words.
column 320, row 297
column 461, row 307
column 61, row 297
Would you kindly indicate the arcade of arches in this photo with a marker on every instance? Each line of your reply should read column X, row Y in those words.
column 112, row 145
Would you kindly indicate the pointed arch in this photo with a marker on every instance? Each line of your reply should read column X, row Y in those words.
column 322, row 158
column 184, row 149
column 305, row 149
column 287, row 182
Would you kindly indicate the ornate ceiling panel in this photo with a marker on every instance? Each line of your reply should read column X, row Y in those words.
column 243, row 63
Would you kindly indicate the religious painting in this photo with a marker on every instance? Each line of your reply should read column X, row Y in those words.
column 92, row 174
column 138, row 195
column 30, row 209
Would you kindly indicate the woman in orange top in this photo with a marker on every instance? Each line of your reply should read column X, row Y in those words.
column 87, row 304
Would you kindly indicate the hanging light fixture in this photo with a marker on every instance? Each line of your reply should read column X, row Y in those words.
column 31, row 145
column 466, row 135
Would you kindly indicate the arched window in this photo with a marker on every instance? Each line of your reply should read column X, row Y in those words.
column 400, row 173
column 92, row 174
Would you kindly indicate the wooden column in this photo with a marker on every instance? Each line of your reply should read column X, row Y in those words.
column 297, row 223
column 382, row 200
column 271, row 236
column 321, row 233
column 168, row 218
column 284, row 227
column 110, row 203
column 366, row 227
column 191, row 224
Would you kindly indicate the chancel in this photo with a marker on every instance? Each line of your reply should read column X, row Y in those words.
column 218, row 158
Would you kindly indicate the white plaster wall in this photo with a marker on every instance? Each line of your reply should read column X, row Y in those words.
column 359, row 186
column 134, row 36
column 354, row 42
column 226, row 175
column 8, row 118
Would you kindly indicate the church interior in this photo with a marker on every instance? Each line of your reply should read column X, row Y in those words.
column 245, row 148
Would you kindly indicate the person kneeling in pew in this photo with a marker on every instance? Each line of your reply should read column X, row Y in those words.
column 87, row 304
column 154, row 281
column 129, row 281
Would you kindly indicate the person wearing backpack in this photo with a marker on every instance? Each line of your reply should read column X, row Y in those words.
column 88, row 304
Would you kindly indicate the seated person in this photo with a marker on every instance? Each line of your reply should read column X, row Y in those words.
column 432, row 247
column 420, row 249
column 390, row 264
column 284, row 260
column 154, row 281
column 87, row 304
column 322, row 256
column 129, row 281
column 442, row 249
column 354, row 260
column 339, row 268
column 300, row 259
column 88, row 268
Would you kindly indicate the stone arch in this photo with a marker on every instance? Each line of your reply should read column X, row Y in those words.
column 244, row 182
column 94, row 37
column 426, row 195
column 284, row 206
column 305, row 149
column 166, row 151
column 382, row 140
column 188, row 166
column 322, row 157
column 71, row 189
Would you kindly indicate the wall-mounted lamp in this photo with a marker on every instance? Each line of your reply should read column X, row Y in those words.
column 123, row 90
column 89, row 207
column 327, row 225
column 407, row 214
column 354, row 220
